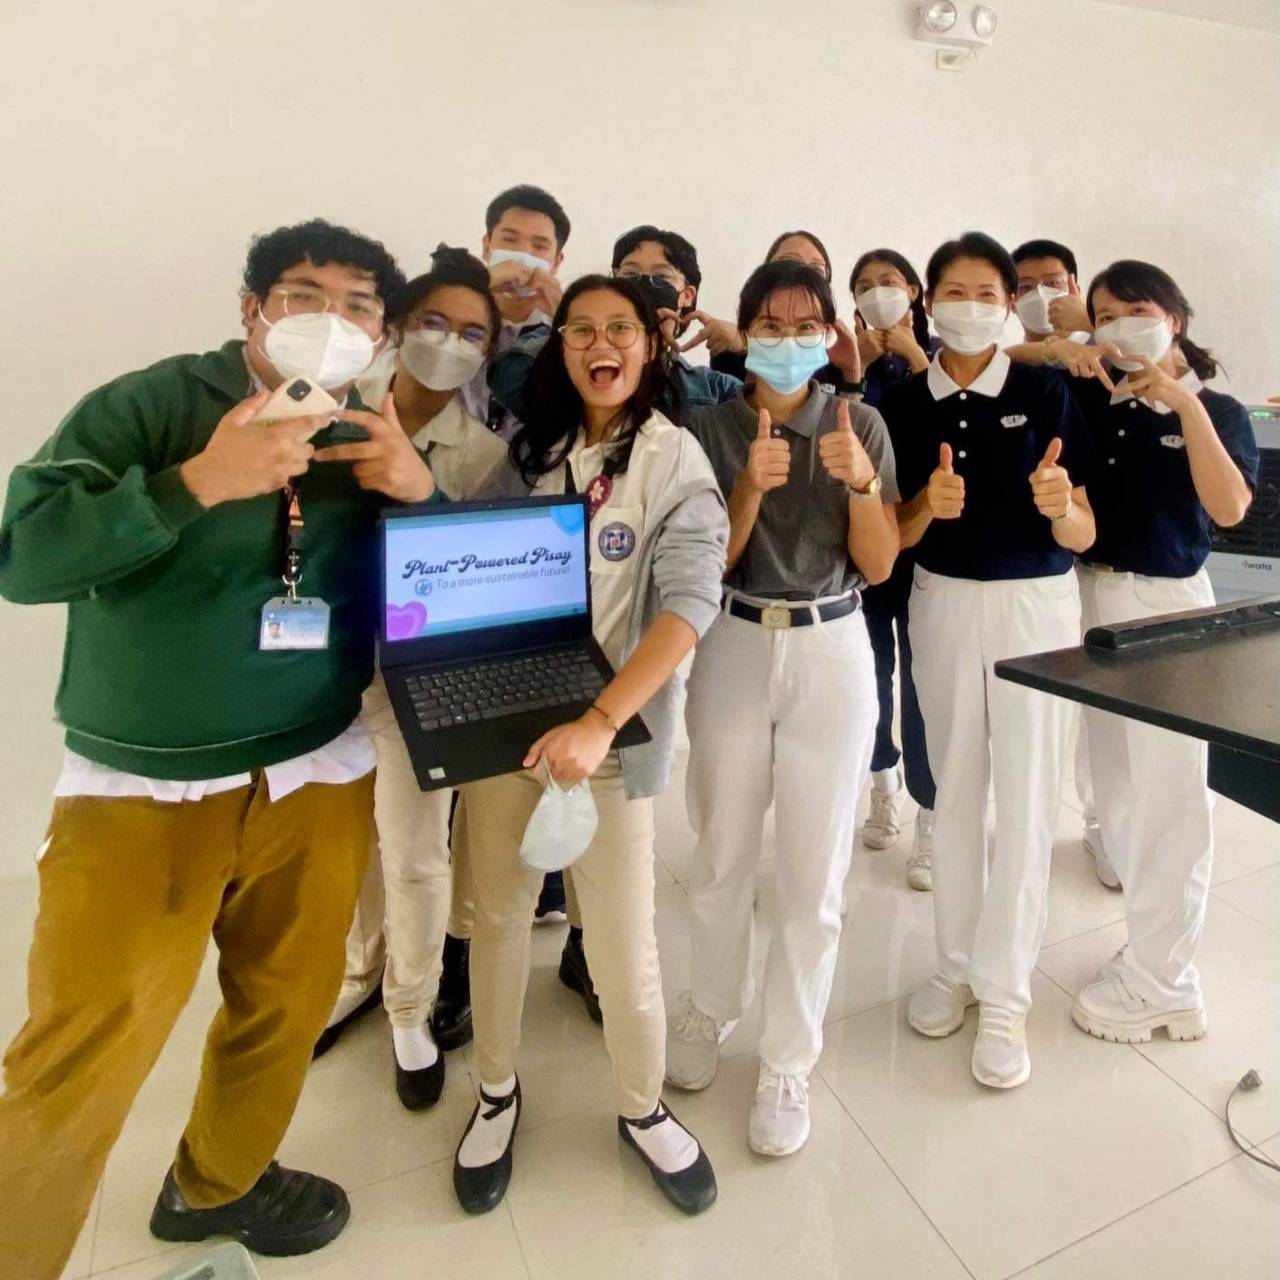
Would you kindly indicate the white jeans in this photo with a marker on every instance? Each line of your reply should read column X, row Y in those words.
column 990, row 903
column 404, row 903
column 1154, row 805
column 788, row 717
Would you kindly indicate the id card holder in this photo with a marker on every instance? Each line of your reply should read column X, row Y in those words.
column 301, row 623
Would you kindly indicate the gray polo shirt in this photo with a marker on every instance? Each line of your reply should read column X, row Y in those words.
column 799, row 548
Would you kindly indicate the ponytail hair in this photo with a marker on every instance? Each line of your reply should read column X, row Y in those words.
column 919, row 317
column 1134, row 281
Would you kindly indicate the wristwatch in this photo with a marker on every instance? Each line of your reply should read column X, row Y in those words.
column 872, row 489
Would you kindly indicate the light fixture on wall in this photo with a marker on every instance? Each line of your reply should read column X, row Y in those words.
column 970, row 26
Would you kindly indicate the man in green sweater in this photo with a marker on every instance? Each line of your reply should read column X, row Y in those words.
column 217, row 780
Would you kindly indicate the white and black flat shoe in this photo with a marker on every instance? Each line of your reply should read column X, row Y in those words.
column 481, row 1188
column 693, row 1189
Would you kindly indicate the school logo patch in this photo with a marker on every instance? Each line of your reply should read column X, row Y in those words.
column 1014, row 420
column 616, row 541
column 1173, row 442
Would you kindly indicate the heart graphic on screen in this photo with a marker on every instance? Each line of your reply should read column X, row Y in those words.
column 406, row 621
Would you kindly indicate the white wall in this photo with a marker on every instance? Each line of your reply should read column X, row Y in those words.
column 144, row 141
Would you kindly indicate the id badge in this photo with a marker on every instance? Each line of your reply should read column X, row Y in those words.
column 294, row 624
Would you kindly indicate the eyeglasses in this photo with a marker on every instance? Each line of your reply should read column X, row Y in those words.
column 618, row 333
column 808, row 333
column 668, row 275
column 305, row 299
column 1050, row 282
column 434, row 322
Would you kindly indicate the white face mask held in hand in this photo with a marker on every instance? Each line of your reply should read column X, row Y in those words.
column 561, row 827
column 969, row 327
column 441, row 361
column 1033, row 308
column 319, row 346
column 883, row 306
column 1149, row 336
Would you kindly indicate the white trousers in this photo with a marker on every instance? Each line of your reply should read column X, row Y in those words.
column 990, row 903
column 786, row 717
column 404, row 903
column 1154, row 806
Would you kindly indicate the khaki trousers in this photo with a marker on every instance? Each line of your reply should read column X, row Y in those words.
column 410, row 887
column 131, row 890
column 614, row 883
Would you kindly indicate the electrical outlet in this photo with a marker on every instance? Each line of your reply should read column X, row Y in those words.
column 952, row 59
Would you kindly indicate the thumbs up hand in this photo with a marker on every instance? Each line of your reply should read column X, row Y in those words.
column 843, row 455
column 1050, row 483
column 769, row 462
column 946, row 489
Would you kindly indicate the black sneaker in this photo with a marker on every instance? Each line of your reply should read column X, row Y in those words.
column 286, row 1213
column 577, row 977
column 692, row 1190
column 551, row 901
column 418, row 1090
column 481, row 1189
column 451, row 1017
column 331, row 1035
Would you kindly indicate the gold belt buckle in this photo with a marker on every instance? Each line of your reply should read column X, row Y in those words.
column 776, row 616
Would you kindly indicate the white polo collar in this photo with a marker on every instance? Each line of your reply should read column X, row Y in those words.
column 448, row 427
column 990, row 382
column 1188, row 380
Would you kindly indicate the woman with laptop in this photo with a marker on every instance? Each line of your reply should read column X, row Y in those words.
column 782, row 697
column 1174, row 459
column 447, row 322
column 599, row 424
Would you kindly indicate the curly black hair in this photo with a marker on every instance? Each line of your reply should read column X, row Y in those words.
column 319, row 242
column 449, row 266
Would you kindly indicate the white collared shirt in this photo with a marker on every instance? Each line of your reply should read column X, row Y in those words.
column 990, row 382
column 1189, row 381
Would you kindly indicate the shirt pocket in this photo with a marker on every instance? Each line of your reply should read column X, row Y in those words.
column 615, row 540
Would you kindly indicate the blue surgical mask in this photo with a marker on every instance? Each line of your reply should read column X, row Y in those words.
column 787, row 366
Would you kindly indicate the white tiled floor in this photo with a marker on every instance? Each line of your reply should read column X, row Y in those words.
column 1112, row 1161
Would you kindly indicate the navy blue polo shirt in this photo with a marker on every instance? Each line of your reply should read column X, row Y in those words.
column 998, row 429
column 1150, row 518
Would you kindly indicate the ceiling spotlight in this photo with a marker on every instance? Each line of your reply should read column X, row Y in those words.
column 939, row 16
column 984, row 21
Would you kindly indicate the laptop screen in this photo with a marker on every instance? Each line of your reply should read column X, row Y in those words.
column 453, row 572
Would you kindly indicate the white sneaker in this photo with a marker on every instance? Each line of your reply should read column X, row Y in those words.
column 920, row 864
column 693, row 1045
column 1106, row 1008
column 1098, row 852
column 881, row 829
column 937, row 1009
column 1000, row 1056
column 779, row 1123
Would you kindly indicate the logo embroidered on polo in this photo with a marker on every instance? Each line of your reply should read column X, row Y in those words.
column 616, row 541
column 1014, row 420
column 1173, row 442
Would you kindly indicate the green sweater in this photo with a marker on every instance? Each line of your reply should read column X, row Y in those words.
column 161, row 671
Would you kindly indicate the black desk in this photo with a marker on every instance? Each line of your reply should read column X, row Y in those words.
column 1221, row 685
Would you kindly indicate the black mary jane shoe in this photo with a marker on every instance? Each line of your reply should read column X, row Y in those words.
column 577, row 977
column 418, row 1090
column 451, row 1018
column 481, row 1189
column 284, row 1214
column 331, row 1035
column 692, row 1190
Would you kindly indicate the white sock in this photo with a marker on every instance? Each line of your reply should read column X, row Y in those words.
column 415, row 1049
column 886, row 780
column 488, row 1137
column 349, row 1002
column 670, row 1146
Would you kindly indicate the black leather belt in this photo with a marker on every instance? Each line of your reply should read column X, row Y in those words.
column 797, row 613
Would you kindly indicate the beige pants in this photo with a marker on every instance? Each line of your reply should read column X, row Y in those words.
column 614, row 883
column 410, row 889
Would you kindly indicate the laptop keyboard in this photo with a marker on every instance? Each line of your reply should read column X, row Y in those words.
column 464, row 695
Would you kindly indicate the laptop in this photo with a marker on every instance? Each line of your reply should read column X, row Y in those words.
column 485, row 636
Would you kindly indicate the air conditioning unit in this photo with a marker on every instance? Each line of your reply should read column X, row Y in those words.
column 1245, row 560
column 955, row 22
